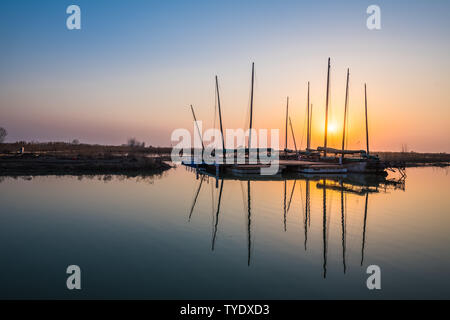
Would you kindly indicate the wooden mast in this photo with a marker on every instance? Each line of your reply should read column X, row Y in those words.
column 251, row 108
column 367, row 125
column 310, row 123
column 345, row 115
column 286, row 125
column 308, row 141
column 198, row 129
column 220, row 116
column 326, row 109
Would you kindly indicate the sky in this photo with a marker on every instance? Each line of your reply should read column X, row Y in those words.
column 135, row 67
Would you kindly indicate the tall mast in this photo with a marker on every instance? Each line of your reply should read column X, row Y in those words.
column 286, row 134
column 251, row 108
column 367, row 125
column 310, row 123
column 308, row 142
column 345, row 114
column 220, row 116
column 326, row 108
column 198, row 129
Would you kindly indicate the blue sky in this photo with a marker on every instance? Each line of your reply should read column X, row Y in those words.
column 135, row 65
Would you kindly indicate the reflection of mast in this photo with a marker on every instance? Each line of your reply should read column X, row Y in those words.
column 249, row 223
column 364, row 230
column 284, row 206
column 292, row 193
column 217, row 216
column 343, row 228
column 307, row 211
column 195, row 198
column 324, row 230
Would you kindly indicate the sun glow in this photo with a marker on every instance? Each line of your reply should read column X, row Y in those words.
column 332, row 128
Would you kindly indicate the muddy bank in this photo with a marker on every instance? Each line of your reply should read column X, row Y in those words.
column 32, row 164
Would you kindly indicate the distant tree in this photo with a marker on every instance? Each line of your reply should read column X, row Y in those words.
column 75, row 141
column 3, row 134
column 134, row 143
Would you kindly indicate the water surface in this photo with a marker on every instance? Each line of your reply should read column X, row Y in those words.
column 146, row 238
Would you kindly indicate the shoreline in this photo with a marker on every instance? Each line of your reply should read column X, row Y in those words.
column 31, row 164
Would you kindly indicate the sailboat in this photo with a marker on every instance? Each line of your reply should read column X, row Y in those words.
column 351, row 161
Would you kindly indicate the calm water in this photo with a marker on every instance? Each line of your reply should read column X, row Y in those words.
column 133, row 238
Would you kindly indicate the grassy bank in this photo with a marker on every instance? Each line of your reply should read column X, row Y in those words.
column 59, row 158
column 64, row 158
column 416, row 158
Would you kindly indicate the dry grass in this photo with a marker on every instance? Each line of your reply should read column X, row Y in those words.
column 414, row 157
column 63, row 149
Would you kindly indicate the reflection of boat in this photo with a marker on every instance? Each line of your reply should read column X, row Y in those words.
column 356, row 185
column 348, row 180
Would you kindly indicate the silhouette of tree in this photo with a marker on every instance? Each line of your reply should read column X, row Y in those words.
column 3, row 134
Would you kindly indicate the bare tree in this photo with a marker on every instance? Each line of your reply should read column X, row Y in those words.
column 134, row 143
column 3, row 134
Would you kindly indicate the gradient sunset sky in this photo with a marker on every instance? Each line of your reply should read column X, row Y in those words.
column 136, row 65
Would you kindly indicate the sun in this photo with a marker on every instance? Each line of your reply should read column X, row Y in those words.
column 332, row 128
